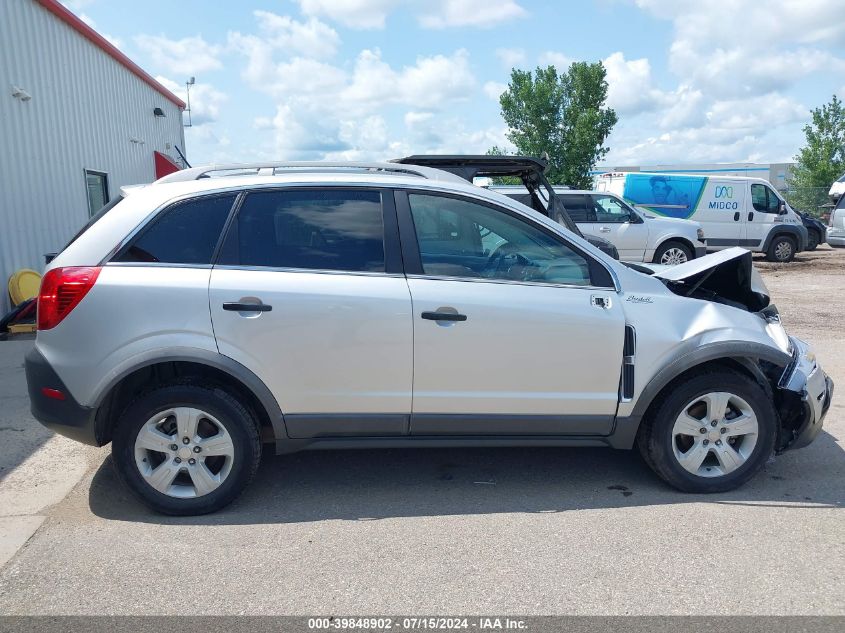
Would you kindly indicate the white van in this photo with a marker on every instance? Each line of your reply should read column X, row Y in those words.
column 732, row 210
column 638, row 236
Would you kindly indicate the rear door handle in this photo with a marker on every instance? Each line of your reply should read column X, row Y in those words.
column 443, row 316
column 604, row 229
column 234, row 306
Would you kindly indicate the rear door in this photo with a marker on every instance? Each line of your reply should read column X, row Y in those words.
column 523, row 338
column 308, row 293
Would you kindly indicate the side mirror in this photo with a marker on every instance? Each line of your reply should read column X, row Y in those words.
column 782, row 208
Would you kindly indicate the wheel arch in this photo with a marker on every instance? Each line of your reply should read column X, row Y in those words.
column 675, row 238
column 187, row 366
column 743, row 356
column 787, row 230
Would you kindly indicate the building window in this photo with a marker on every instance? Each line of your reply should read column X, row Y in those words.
column 97, row 184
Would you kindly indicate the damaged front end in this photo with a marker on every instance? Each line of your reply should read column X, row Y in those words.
column 801, row 391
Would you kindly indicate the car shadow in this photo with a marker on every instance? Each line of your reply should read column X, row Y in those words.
column 366, row 485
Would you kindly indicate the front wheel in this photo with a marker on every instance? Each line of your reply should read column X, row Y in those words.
column 813, row 240
column 781, row 250
column 186, row 449
column 711, row 432
column 672, row 254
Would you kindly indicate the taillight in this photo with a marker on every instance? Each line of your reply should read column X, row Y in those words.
column 61, row 291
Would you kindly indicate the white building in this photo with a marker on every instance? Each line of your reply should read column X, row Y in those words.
column 78, row 120
column 776, row 173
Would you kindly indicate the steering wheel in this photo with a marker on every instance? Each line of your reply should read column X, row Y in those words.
column 497, row 259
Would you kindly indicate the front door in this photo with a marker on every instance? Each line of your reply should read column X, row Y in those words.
column 763, row 212
column 615, row 222
column 516, row 331
column 308, row 293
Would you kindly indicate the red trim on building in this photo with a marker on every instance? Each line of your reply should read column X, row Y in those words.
column 66, row 16
column 164, row 165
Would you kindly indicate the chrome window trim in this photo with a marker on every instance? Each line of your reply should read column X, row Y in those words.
column 319, row 271
column 510, row 282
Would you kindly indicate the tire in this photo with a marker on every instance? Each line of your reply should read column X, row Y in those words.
column 147, row 438
column 666, row 450
column 673, row 253
column 813, row 240
column 781, row 250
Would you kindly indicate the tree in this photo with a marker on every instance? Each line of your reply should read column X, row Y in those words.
column 822, row 160
column 563, row 115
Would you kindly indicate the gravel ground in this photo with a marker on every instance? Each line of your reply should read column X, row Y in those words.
column 520, row 531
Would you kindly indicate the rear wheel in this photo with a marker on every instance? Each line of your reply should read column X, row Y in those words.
column 672, row 253
column 711, row 432
column 186, row 449
column 781, row 250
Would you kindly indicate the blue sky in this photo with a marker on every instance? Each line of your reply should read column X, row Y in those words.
column 692, row 81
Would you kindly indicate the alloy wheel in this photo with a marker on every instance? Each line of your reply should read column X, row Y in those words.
column 184, row 452
column 714, row 434
column 673, row 256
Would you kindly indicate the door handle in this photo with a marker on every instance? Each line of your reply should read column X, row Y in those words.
column 604, row 229
column 443, row 316
column 234, row 306
column 750, row 216
column 736, row 216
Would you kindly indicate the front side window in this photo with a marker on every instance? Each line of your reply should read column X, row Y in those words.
column 579, row 208
column 327, row 229
column 459, row 238
column 186, row 233
column 610, row 210
column 764, row 199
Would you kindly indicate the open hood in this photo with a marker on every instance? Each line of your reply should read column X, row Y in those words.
column 727, row 277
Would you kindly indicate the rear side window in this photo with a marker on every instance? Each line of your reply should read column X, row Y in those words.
column 327, row 229
column 186, row 233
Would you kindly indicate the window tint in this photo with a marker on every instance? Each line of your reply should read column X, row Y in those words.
column 185, row 233
column 610, row 210
column 458, row 238
column 329, row 229
column 764, row 199
column 579, row 208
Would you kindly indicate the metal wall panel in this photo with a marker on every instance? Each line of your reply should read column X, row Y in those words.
column 84, row 111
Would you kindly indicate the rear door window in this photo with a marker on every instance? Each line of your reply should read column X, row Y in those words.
column 185, row 233
column 325, row 229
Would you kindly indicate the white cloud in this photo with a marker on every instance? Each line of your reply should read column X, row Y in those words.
column 510, row 57
column 494, row 90
column 311, row 39
column 630, row 85
column 205, row 100
column 748, row 45
column 478, row 13
column 186, row 56
column 556, row 59
column 356, row 14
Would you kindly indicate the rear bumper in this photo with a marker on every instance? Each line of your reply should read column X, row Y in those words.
column 808, row 381
column 835, row 239
column 65, row 416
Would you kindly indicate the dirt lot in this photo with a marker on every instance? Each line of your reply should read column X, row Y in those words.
column 810, row 291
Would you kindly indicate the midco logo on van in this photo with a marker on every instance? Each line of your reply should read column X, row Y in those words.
column 726, row 193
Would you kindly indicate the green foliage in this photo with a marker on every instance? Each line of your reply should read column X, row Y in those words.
column 563, row 115
column 822, row 160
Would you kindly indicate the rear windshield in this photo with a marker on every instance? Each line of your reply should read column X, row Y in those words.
column 94, row 219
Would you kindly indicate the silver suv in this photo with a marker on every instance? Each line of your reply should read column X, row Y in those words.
column 311, row 306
